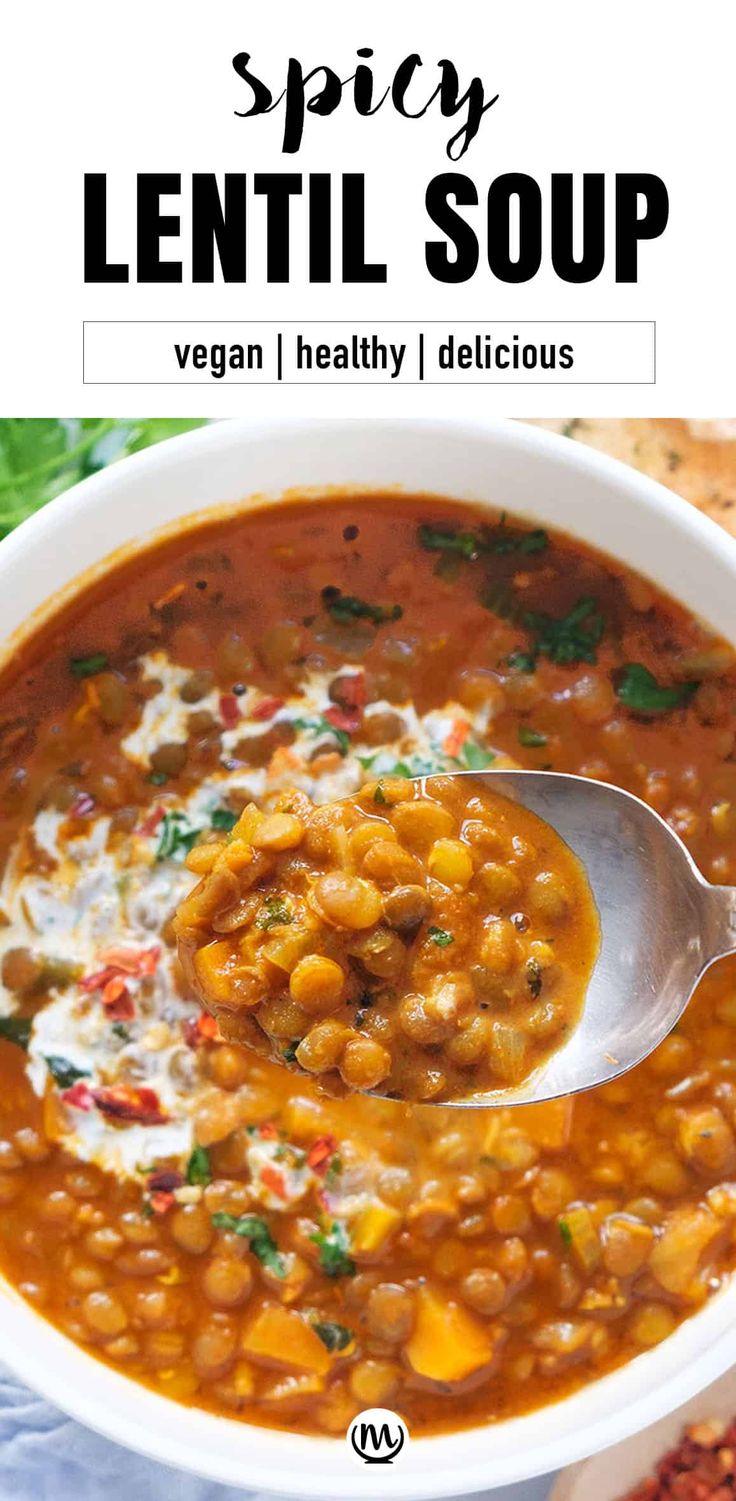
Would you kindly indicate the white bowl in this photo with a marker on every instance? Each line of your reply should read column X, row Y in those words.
column 505, row 464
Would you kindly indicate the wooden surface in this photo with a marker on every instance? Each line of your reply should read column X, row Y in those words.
column 667, row 448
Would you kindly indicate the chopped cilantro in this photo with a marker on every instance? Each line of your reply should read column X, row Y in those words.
column 120, row 1030
column 274, row 914
column 447, row 539
column 521, row 661
column 322, row 726
column 86, row 667
column 534, row 977
column 177, row 836
column 198, row 1170
column 345, row 607
column 16, row 1029
column 571, row 639
column 531, row 738
column 565, row 1233
column 379, row 795
column 639, row 690
column 334, row 1170
column 222, row 818
column 439, row 936
column 507, row 540
column 476, row 758
column 334, row 1336
column 334, row 1247
column 157, row 778
column 289, row 1052
column 259, row 1237
column 64, row 1073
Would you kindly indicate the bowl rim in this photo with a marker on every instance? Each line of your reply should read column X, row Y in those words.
column 441, row 1465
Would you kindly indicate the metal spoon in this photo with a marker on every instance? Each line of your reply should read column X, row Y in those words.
column 662, row 926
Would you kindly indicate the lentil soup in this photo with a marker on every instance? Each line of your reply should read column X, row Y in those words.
column 426, row 936
column 195, row 1215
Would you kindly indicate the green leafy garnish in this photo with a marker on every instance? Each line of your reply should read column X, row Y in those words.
column 198, row 1170
column 565, row 1233
column 521, row 661
column 476, row 758
column 531, row 738
column 41, row 456
column 571, row 639
column 222, row 818
column 259, row 1237
column 417, row 766
column 16, row 1029
column 157, row 778
column 274, row 914
column 639, row 690
column 334, row 1247
column 289, row 1052
column 322, row 726
column 86, row 667
column 379, row 795
column 120, row 1030
column 334, row 1336
column 440, row 936
column 177, row 836
column 534, row 977
column 346, row 607
column 333, row 1171
column 507, row 540
column 63, row 1072
column 447, row 539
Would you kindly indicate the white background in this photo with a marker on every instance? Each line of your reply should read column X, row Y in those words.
column 147, row 85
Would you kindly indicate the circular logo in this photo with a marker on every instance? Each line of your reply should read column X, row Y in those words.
column 377, row 1436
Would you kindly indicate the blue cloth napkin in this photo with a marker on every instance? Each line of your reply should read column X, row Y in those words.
column 45, row 1456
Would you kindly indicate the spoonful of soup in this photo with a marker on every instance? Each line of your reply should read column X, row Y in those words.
column 478, row 938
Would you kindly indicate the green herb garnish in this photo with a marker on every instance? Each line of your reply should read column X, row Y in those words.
column 322, row 726
column 507, row 541
column 521, row 661
column 565, row 1233
column 476, row 758
column 334, row 1336
column 274, row 914
column 16, row 1029
column 157, row 778
column 346, row 607
column 259, row 1237
column 379, row 795
column 333, row 1171
column 534, row 978
column 447, row 539
column 531, row 738
column 120, row 1030
column 639, row 690
column 198, row 1170
column 334, row 1247
column 439, row 936
column 289, row 1052
column 571, row 639
column 177, row 837
column 222, row 818
column 63, row 1072
column 86, row 667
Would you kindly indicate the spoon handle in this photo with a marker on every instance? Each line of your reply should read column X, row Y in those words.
column 721, row 912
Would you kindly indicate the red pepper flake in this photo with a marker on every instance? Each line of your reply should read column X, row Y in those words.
column 229, row 710
column 348, row 720
column 268, row 1131
column 702, row 1467
column 161, row 1201
column 454, row 742
column 125, row 1103
column 82, row 806
column 132, row 961
column 320, row 1153
column 98, row 980
column 118, row 1001
column 266, row 708
column 200, row 1029
column 151, row 823
column 272, row 1179
column 80, row 1096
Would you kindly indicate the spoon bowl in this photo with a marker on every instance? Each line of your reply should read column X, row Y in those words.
column 661, row 926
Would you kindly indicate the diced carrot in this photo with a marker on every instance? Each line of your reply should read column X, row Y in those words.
column 280, row 1337
column 448, row 1346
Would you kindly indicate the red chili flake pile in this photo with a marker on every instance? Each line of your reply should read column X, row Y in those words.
column 702, row 1467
